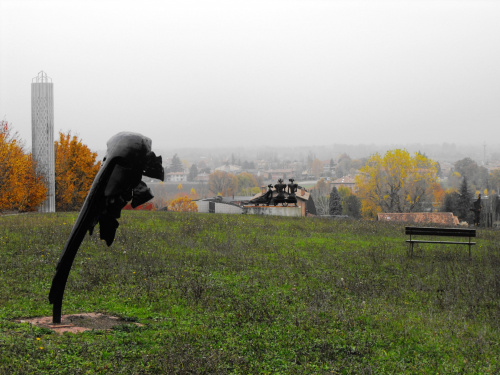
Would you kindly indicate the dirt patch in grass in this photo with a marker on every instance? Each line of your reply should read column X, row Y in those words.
column 78, row 322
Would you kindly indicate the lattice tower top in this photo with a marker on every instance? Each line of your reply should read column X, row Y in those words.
column 42, row 77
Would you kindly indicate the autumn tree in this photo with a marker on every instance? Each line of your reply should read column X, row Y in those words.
column 344, row 193
column 320, row 195
column 21, row 188
column 466, row 167
column 148, row 206
column 183, row 204
column 223, row 183
column 247, row 183
column 357, row 164
column 495, row 180
column 75, row 170
column 335, row 202
column 438, row 195
column 193, row 194
column 317, row 168
column 477, row 176
column 396, row 182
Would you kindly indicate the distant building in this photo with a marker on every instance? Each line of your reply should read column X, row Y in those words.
column 276, row 174
column 42, row 132
column 202, row 177
column 229, row 168
column 220, row 205
column 177, row 176
column 346, row 181
column 328, row 167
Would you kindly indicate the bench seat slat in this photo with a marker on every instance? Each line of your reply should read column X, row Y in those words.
column 444, row 242
column 450, row 232
column 442, row 234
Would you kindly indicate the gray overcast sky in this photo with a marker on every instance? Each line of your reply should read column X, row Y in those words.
column 250, row 73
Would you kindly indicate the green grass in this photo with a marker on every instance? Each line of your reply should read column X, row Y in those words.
column 251, row 294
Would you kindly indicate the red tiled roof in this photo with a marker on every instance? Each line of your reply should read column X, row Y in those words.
column 440, row 218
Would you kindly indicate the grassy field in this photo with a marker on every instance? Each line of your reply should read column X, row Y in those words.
column 251, row 295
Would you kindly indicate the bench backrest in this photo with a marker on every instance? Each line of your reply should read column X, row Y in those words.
column 450, row 232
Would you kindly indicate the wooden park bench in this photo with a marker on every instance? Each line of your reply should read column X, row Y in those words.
column 440, row 232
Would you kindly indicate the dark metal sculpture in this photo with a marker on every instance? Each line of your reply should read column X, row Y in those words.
column 280, row 188
column 282, row 196
column 292, row 189
column 119, row 180
column 263, row 199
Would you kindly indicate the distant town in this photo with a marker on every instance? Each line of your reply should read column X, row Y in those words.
column 318, row 170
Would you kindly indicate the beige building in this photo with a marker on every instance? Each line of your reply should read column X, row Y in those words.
column 176, row 176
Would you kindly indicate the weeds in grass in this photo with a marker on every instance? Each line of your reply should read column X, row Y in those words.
column 250, row 294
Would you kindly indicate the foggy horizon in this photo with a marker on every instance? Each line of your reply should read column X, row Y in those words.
column 255, row 74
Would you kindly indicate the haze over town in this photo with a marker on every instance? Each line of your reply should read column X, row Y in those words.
column 252, row 75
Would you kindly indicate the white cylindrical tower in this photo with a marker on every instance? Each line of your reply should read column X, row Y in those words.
column 42, row 131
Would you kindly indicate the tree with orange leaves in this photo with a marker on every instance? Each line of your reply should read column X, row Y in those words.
column 438, row 195
column 75, row 169
column 21, row 188
column 183, row 204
